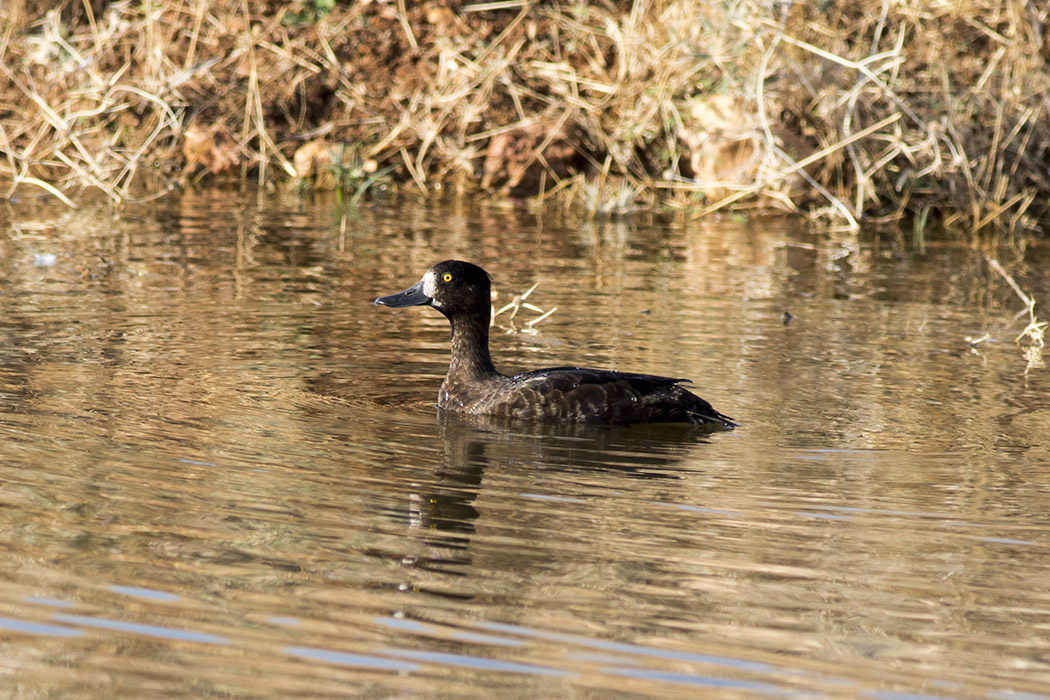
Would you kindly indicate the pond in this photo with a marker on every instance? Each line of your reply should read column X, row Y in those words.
column 224, row 475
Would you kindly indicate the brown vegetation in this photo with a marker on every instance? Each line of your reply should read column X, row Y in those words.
column 871, row 109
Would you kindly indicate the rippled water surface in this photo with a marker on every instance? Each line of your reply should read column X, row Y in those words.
column 223, row 474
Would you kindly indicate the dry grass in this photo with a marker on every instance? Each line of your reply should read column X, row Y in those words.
column 870, row 110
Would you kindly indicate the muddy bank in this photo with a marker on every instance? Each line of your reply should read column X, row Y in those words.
column 859, row 111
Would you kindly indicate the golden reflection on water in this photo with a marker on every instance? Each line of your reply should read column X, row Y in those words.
column 223, row 474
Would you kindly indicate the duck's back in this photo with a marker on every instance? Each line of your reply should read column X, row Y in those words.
column 576, row 394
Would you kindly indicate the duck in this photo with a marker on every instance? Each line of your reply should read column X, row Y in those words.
column 473, row 386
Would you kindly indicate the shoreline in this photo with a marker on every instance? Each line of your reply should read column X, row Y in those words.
column 876, row 113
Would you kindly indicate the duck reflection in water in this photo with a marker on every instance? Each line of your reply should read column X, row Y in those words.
column 473, row 386
column 443, row 512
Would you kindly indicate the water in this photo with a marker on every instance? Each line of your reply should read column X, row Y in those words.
column 223, row 475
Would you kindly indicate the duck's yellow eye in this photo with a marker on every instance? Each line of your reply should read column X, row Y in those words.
column 447, row 276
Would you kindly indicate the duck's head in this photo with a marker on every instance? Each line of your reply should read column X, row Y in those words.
column 453, row 287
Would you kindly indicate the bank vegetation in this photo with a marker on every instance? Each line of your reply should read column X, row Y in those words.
column 870, row 110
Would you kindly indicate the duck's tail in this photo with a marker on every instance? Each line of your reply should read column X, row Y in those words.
column 707, row 415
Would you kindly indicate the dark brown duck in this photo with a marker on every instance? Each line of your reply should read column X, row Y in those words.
column 461, row 291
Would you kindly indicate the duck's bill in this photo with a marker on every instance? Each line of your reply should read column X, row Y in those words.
column 413, row 296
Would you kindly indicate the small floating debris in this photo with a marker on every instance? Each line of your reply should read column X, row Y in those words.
column 1034, row 332
column 44, row 259
column 516, row 304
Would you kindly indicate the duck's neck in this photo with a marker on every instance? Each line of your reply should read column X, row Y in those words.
column 470, row 349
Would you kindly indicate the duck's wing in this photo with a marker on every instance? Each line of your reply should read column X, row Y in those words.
column 605, row 396
column 569, row 377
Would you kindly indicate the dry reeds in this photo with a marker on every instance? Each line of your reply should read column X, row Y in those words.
column 876, row 109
